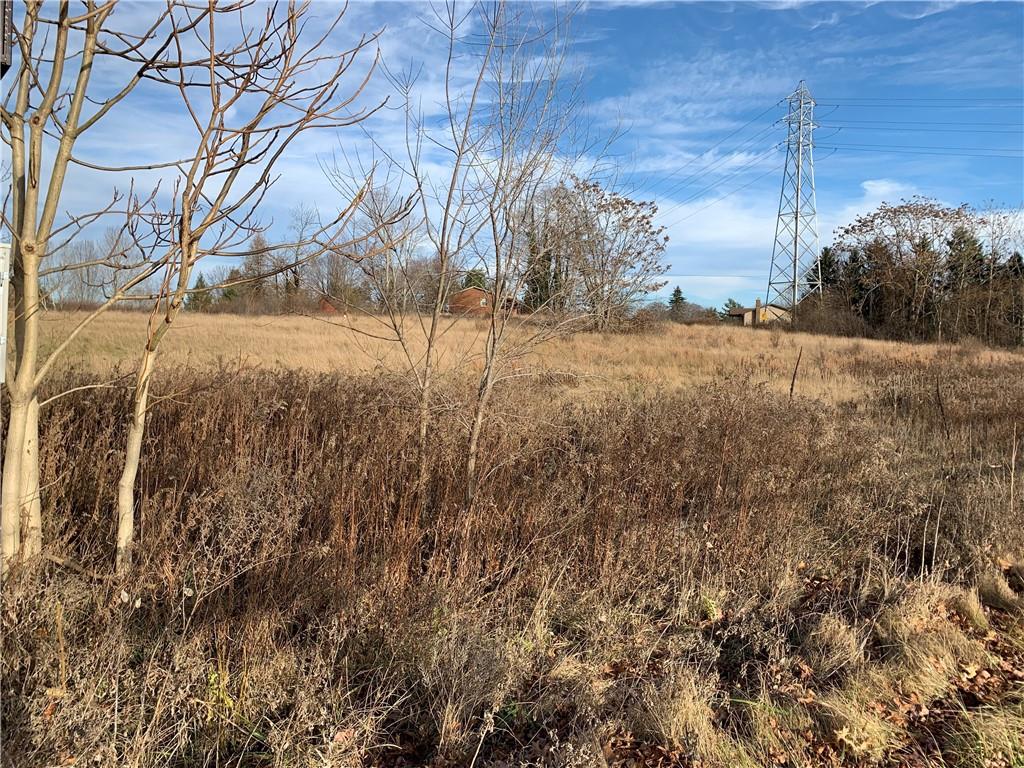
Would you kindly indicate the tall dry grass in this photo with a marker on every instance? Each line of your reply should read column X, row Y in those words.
column 660, row 570
column 670, row 355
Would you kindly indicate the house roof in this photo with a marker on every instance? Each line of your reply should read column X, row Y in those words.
column 740, row 311
column 470, row 288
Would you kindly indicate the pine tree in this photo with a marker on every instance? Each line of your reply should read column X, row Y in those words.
column 254, row 268
column 966, row 264
column 230, row 293
column 1015, row 266
column 475, row 278
column 730, row 304
column 677, row 305
column 201, row 300
column 829, row 264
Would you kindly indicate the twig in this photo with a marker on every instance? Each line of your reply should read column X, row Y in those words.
column 942, row 411
column 792, row 383
column 105, row 385
column 59, row 618
column 1013, row 468
column 79, row 569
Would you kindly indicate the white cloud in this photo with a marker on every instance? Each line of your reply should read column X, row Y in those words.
column 874, row 192
column 734, row 224
column 725, row 249
column 916, row 11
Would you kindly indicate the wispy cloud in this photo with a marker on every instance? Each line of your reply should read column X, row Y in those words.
column 916, row 11
column 681, row 78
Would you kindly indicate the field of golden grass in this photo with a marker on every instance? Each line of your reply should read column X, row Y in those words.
column 670, row 357
column 667, row 561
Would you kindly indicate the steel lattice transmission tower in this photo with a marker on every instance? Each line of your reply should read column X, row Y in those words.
column 796, row 268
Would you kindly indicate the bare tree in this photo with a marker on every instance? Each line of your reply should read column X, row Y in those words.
column 920, row 269
column 260, row 90
column 471, row 173
column 83, row 283
column 450, row 211
column 249, row 82
column 505, row 136
column 529, row 145
column 615, row 251
column 398, row 278
column 896, row 263
column 45, row 113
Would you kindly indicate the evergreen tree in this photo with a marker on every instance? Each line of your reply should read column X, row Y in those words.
column 255, row 267
column 231, row 293
column 855, row 279
column 829, row 268
column 730, row 304
column 965, row 260
column 200, row 301
column 677, row 305
column 475, row 278
column 1015, row 266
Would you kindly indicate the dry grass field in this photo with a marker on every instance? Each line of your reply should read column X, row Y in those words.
column 669, row 561
column 675, row 356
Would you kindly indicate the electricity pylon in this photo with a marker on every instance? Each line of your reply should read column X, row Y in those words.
column 796, row 268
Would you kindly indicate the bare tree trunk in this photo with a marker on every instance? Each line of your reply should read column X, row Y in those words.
column 31, row 505
column 21, row 449
column 14, row 451
column 132, row 456
column 424, row 424
column 426, row 393
column 214, row 208
column 988, row 304
column 482, row 402
column 32, row 215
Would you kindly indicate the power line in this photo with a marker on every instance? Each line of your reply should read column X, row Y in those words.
column 925, row 106
column 917, row 130
column 723, row 140
column 919, row 99
column 706, row 170
column 719, row 200
column 914, row 152
column 923, row 122
column 754, row 161
column 916, row 146
column 731, row 274
column 740, row 129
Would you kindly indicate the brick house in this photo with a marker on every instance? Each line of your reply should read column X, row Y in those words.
column 470, row 301
column 326, row 306
column 476, row 302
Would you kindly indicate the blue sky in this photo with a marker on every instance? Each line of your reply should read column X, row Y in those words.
column 909, row 94
column 892, row 80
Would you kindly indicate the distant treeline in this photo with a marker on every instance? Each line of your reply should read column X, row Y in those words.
column 914, row 270
column 919, row 270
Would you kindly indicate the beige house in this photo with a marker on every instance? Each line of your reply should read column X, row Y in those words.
column 761, row 314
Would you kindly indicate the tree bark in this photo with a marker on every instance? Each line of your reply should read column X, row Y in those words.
column 424, row 425
column 482, row 402
column 10, row 512
column 31, row 504
column 130, row 470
